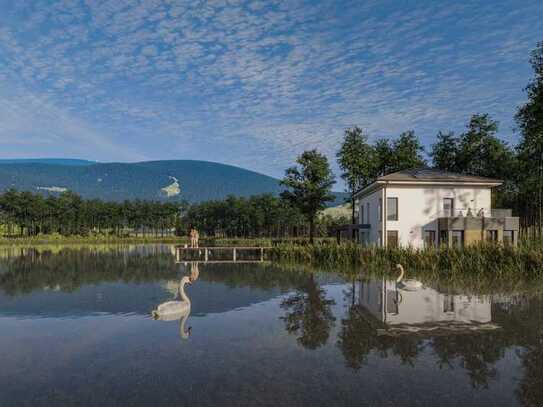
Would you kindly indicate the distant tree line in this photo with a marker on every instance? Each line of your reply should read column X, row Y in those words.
column 25, row 213
column 29, row 214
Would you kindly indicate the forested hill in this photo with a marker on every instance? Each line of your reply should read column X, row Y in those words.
column 193, row 181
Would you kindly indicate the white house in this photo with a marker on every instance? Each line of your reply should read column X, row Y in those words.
column 424, row 207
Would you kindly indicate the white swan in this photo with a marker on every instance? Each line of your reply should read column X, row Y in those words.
column 172, row 310
column 408, row 285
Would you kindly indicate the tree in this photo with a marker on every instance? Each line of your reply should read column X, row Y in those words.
column 403, row 153
column 530, row 149
column 355, row 160
column 481, row 152
column 407, row 152
column 309, row 185
column 383, row 161
column 445, row 152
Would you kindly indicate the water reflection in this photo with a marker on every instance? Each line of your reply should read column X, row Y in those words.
column 256, row 322
column 308, row 315
column 179, row 308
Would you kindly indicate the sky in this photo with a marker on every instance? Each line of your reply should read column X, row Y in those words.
column 253, row 83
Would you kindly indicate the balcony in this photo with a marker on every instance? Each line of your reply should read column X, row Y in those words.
column 463, row 219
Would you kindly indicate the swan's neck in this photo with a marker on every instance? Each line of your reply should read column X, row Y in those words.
column 182, row 293
column 184, row 334
column 400, row 277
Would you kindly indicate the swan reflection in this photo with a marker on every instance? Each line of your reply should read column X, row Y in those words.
column 179, row 309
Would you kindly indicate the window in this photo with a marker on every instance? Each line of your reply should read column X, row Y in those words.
column 392, row 302
column 368, row 212
column 392, row 238
column 492, row 235
column 429, row 238
column 508, row 237
column 380, row 210
column 392, row 208
column 362, row 214
column 448, row 206
column 448, row 303
column 457, row 238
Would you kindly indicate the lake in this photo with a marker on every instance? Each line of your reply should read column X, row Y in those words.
column 76, row 328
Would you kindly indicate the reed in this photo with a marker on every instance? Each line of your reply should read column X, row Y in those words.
column 484, row 260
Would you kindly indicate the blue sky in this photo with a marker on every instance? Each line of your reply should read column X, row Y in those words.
column 252, row 83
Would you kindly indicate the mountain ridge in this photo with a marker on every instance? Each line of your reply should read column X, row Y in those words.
column 196, row 180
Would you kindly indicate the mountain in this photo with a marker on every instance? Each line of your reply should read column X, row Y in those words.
column 194, row 181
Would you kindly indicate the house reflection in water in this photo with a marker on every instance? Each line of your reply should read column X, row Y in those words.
column 425, row 309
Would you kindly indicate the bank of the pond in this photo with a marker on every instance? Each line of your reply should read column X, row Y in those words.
column 485, row 260
column 105, row 239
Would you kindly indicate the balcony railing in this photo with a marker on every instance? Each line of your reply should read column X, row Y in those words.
column 478, row 213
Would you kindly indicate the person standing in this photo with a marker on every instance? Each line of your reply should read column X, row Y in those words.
column 192, row 236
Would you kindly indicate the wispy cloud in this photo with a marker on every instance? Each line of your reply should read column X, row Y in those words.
column 252, row 83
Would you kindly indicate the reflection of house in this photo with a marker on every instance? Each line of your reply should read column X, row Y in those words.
column 425, row 306
column 425, row 207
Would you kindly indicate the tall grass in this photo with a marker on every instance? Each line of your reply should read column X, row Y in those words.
column 494, row 261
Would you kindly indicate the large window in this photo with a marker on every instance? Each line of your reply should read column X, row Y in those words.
column 429, row 238
column 457, row 238
column 508, row 237
column 380, row 210
column 492, row 235
column 392, row 208
column 448, row 206
column 392, row 238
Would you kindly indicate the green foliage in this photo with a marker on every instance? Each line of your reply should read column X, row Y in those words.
column 309, row 186
column 30, row 214
column 355, row 158
column 530, row 149
column 257, row 216
column 445, row 152
column 403, row 153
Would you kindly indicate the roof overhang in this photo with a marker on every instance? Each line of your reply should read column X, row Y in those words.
column 381, row 183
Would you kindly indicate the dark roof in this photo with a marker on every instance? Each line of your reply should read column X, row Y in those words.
column 434, row 175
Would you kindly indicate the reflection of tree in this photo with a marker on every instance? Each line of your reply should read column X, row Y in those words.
column 358, row 338
column 309, row 315
column 530, row 391
column 477, row 353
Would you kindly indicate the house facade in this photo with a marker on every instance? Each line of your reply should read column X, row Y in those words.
column 424, row 207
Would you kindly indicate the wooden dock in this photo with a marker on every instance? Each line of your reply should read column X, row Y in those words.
column 221, row 254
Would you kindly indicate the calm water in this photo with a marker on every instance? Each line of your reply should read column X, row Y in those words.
column 76, row 329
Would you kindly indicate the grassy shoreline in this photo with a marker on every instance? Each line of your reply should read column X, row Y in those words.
column 495, row 260
column 470, row 263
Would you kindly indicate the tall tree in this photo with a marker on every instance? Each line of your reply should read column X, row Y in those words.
column 445, row 152
column 481, row 152
column 407, row 152
column 383, row 160
column 308, row 186
column 355, row 159
column 530, row 149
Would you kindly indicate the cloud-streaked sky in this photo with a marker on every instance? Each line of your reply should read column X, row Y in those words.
column 252, row 83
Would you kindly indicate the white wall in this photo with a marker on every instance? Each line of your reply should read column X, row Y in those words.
column 420, row 206
column 422, row 306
